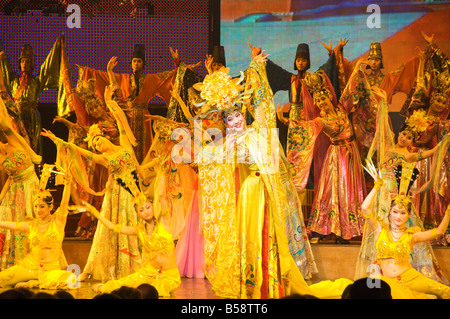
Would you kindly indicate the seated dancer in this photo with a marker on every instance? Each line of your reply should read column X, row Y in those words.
column 42, row 265
column 394, row 241
column 159, row 267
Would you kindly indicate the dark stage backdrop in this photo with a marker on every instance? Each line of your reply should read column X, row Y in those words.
column 106, row 29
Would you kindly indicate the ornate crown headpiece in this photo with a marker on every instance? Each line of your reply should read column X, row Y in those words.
column 86, row 91
column 441, row 83
column 222, row 90
column 418, row 122
column 94, row 131
column 405, row 174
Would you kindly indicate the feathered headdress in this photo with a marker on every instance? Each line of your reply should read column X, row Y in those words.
column 46, row 172
column 405, row 174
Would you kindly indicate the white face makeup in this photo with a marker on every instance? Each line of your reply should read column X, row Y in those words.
column 235, row 122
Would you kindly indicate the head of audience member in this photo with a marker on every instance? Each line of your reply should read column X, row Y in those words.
column 148, row 291
column 367, row 288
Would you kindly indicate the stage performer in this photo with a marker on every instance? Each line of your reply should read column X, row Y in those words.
column 159, row 267
column 138, row 89
column 43, row 266
column 298, row 86
column 341, row 188
column 431, row 95
column 394, row 241
column 89, row 109
column 26, row 88
column 18, row 161
column 400, row 80
column 117, row 256
column 246, row 247
column 389, row 155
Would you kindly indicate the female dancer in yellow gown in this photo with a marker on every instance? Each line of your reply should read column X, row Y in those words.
column 42, row 266
column 159, row 267
column 394, row 242
column 17, row 160
column 246, row 246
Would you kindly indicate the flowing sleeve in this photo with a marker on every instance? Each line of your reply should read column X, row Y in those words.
column 78, row 169
column 157, row 84
column 68, row 100
column 402, row 79
column 279, row 79
column 358, row 94
column 50, row 70
column 9, row 76
column 383, row 141
column 303, row 136
column 184, row 80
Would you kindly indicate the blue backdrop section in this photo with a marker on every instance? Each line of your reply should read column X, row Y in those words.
column 280, row 38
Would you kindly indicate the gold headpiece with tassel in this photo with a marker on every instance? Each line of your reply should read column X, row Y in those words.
column 405, row 174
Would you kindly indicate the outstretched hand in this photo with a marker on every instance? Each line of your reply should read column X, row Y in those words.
column 261, row 57
column 175, row 55
column 428, row 39
column 255, row 50
column 328, row 47
column 49, row 134
column 111, row 64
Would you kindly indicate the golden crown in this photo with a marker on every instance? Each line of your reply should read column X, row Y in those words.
column 94, row 130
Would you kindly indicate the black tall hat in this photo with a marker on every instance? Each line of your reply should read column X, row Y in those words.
column 219, row 55
column 302, row 52
column 139, row 52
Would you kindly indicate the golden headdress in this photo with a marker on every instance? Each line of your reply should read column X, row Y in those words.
column 315, row 82
column 221, row 90
column 375, row 52
column 86, row 91
column 440, row 84
column 418, row 122
column 27, row 53
column 94, row 131
column 405, row 174
column 46, row 172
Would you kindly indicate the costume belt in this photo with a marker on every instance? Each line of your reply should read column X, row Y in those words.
column 24, row 175
column 343, row 141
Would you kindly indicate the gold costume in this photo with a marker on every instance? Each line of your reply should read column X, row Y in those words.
column 166, row 281
column 42, row 266
column 411, row 283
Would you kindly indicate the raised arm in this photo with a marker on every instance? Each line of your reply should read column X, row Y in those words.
column 126, row 230
column 62, row 211
column 367, row 205
column 99, row 159
column 435, row 232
